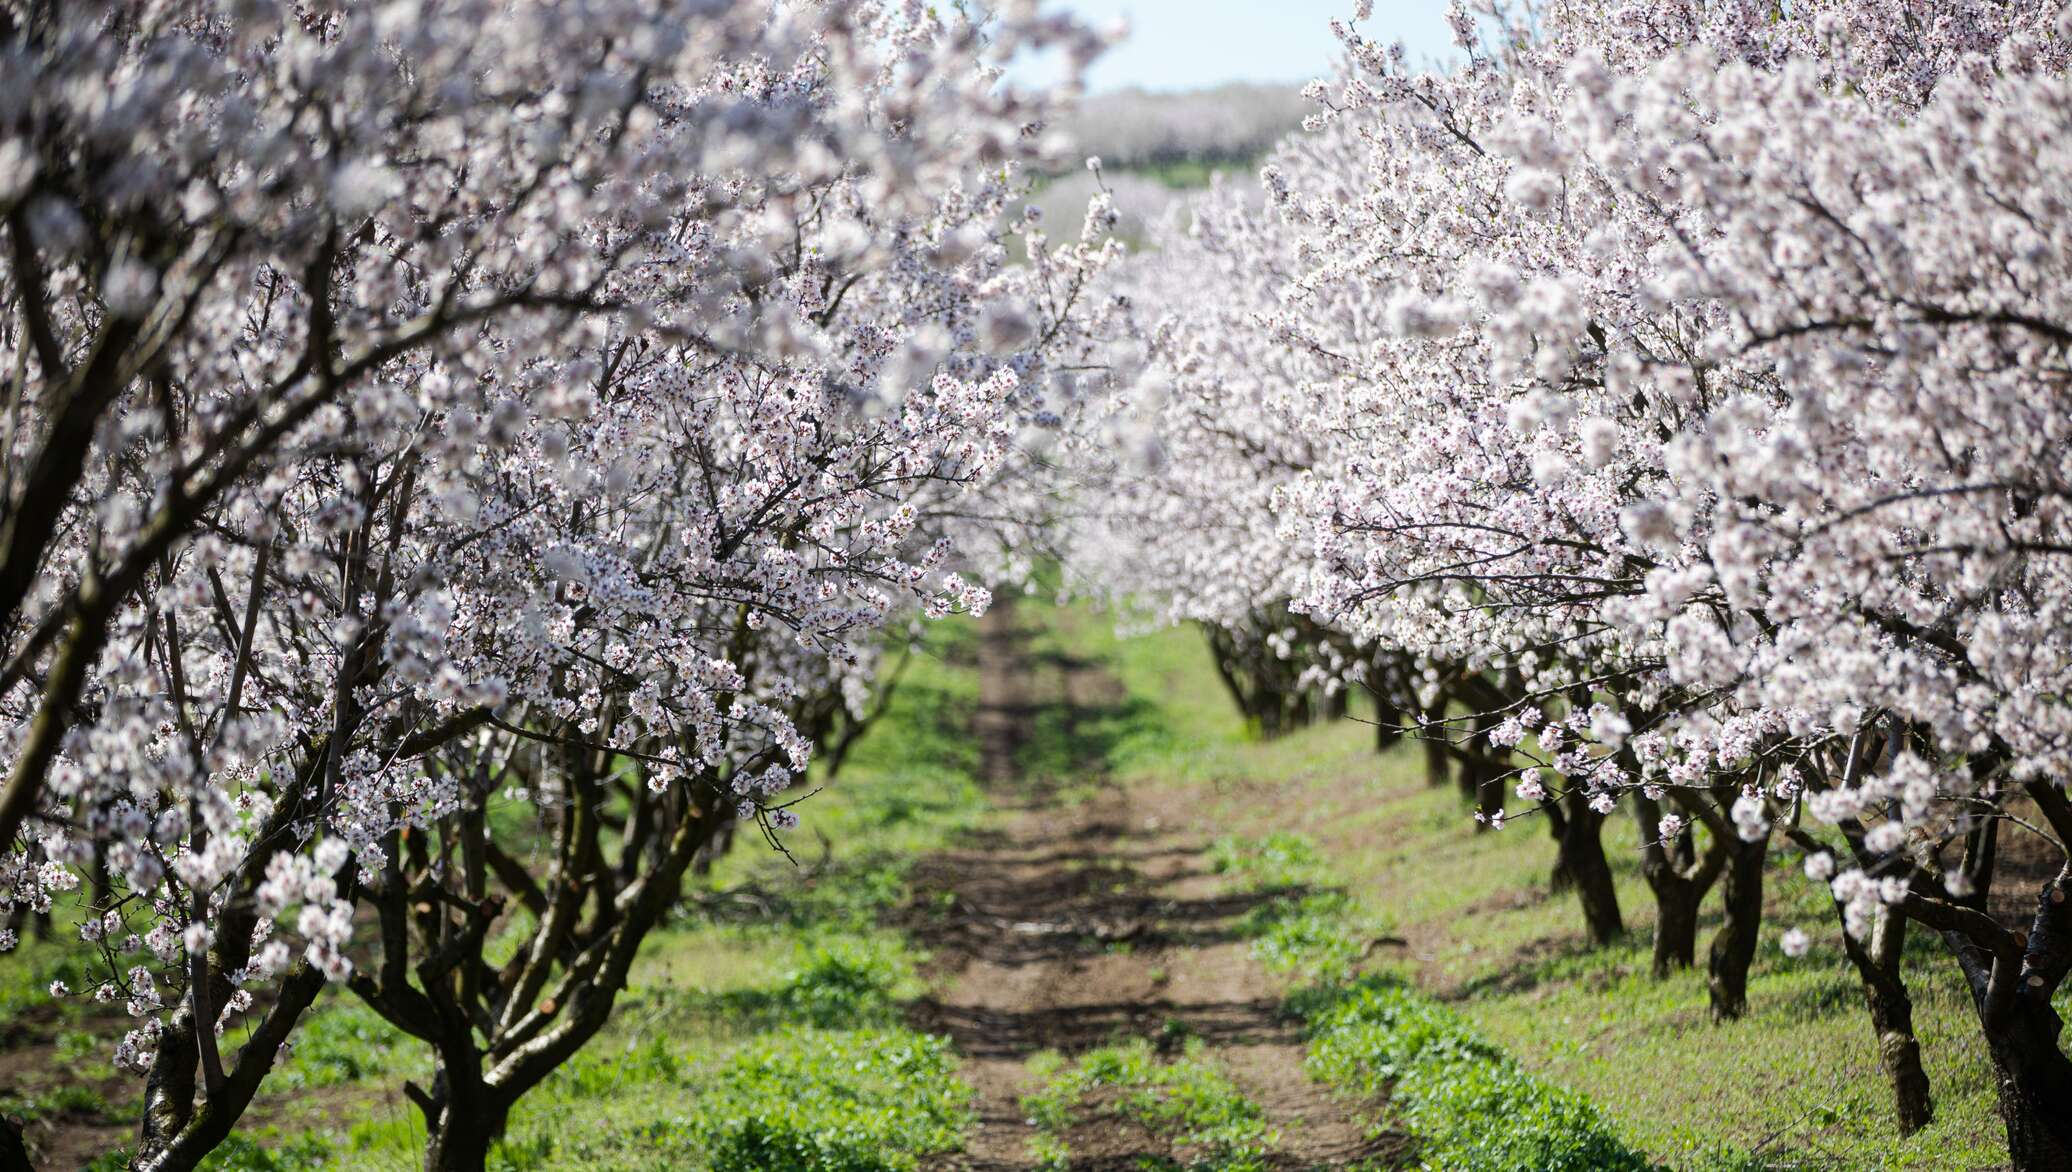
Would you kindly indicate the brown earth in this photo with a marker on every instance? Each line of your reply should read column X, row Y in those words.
column 32, row 1065
column 1091, row 919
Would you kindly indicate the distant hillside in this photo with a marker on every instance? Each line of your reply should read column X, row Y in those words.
column 1136, row 129
column 1155, row 146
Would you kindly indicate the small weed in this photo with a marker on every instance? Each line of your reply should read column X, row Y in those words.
column 1280, row 860
column 826, row 1101
column 243, row 1152
column 1189, row 1103
column 78, row 1046
column 342, row 1042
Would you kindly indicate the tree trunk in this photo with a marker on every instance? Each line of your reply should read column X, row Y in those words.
column 1734, row 945
column 2013, row 978
column 1489, row 790
column 14, row 1154
column 1337, row 704
column 1679, row 881
column 1481, row 772
column 2035, row 1084
column 1676, row 924
column 1388, row 723
column 1582, row 857
column 1892, row 1019
column 463, row 1138
column 1899, row 1053
column 1438, row 765
column 1438, row 754
column 1558, row 878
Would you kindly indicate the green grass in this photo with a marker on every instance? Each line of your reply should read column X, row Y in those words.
column 1470, row 1107
column 27, row 971
column 56, row 1100
column 344, row 1042
column 1187, row 1104
column 1795, row 1083
column 791, row 1099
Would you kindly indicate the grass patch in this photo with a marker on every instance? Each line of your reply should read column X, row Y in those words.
column 797, row 1099
column 344, row 1042
column 831, row 1101
column 1470, row 1107
column 1188, row 1105
column 54, row 1101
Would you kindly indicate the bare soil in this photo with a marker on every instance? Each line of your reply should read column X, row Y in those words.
column 31, row 1065
column 1089, row 919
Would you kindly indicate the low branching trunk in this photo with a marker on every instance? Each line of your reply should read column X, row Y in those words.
column 1679, row 878
column 183, row 1118
column 2013, row 978
column 496, row 1034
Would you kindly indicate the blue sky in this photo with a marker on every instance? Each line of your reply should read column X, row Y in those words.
column 1187, row 44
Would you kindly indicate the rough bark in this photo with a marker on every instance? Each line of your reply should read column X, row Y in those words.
column 1581, row 855
column 2034, row 1079
column 466, row 1125
column 2013, row 978
column 1679, row 879
column 1734, row 945
column 1877, row 964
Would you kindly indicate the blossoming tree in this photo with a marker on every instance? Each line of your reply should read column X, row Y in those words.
column 1691, row 377
column 409, row 409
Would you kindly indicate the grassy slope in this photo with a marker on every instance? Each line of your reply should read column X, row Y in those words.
column 1796, row 1083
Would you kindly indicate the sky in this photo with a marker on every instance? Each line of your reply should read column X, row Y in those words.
column 1188, row 44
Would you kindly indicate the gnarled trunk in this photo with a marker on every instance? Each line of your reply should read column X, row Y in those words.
column 461, row 1128
column 1877, row 963
column 1679, row 881
column 1734, row 945
column 2013, row 977
column 1581, row 857
column 2035, row 1082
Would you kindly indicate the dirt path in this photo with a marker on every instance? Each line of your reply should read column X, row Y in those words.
column 1091, row 921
